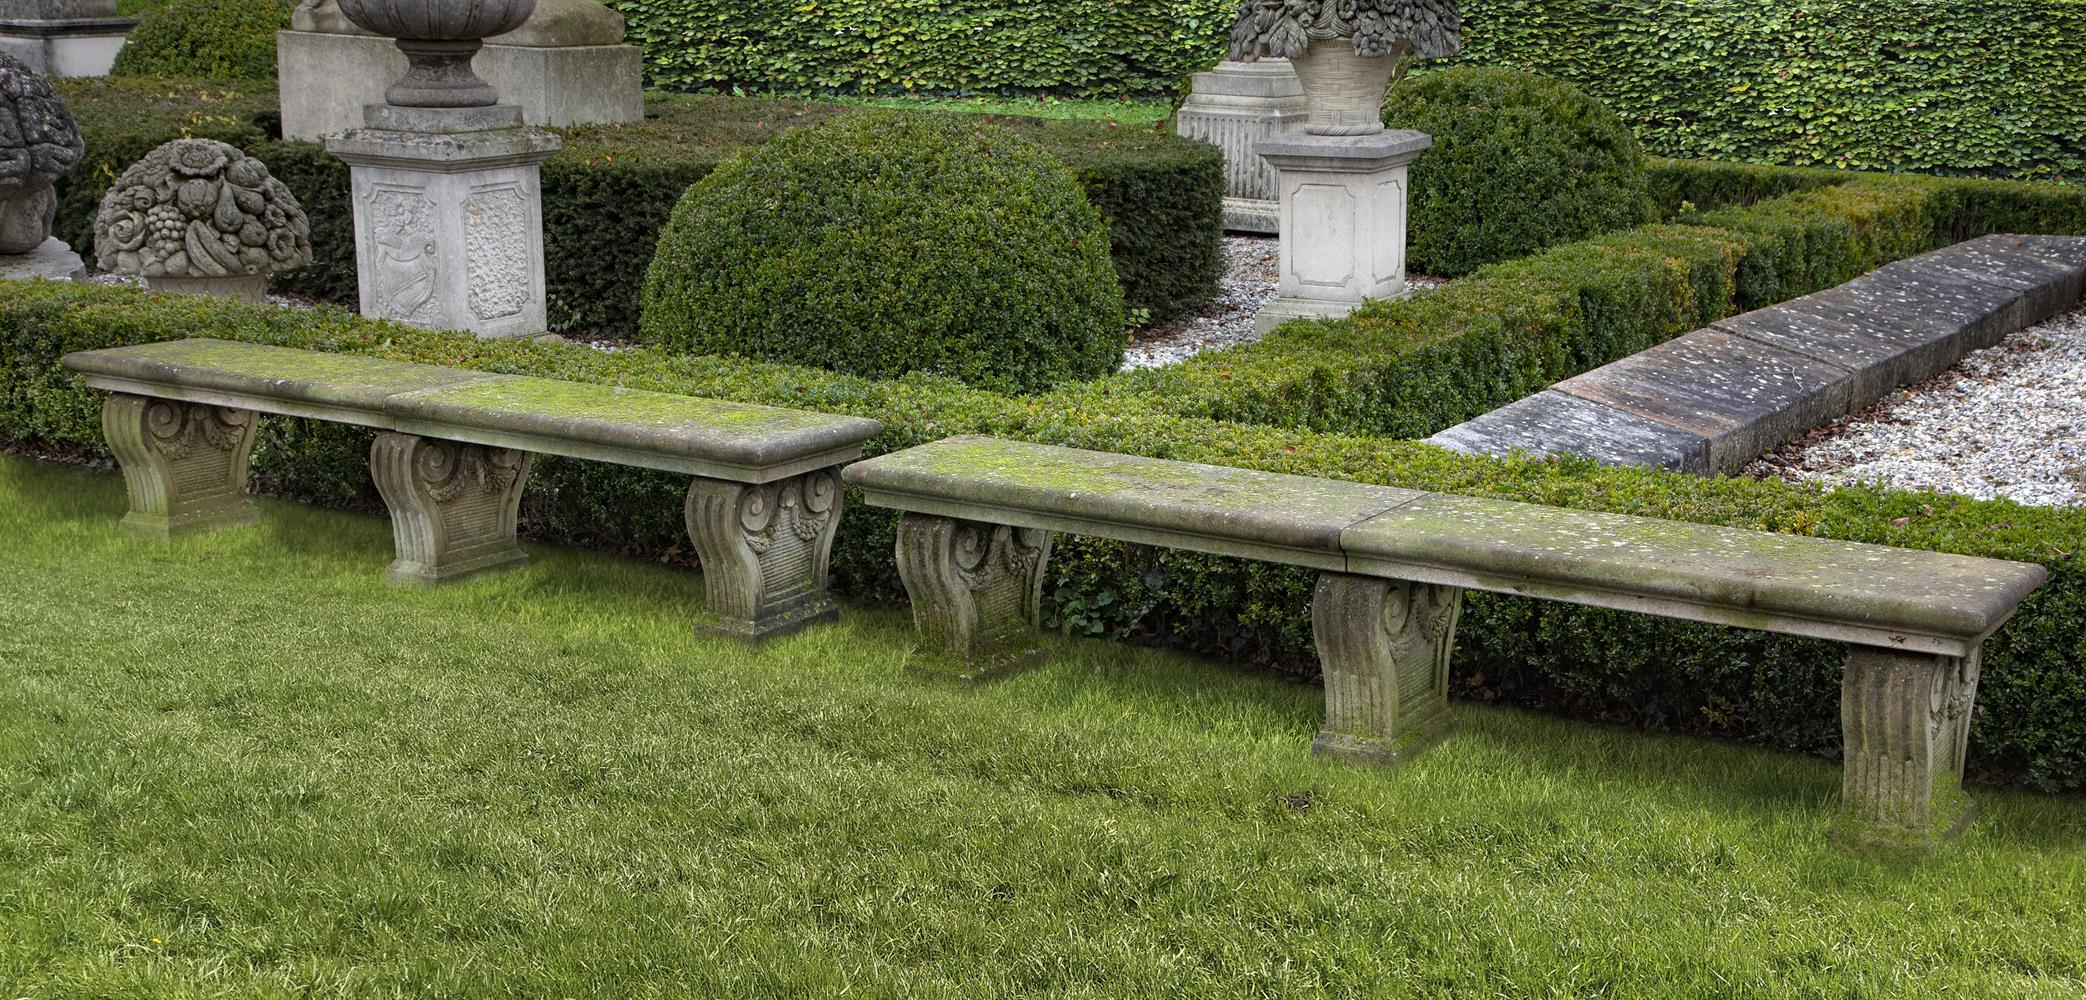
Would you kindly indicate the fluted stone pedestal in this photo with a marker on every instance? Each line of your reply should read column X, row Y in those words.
column 567, row 66
column 1343, row 220
column 449, row 226
column 1235, row 107
column 64, row 37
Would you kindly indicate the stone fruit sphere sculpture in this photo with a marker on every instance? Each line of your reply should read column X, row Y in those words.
column 39, row 143
column 198, row 208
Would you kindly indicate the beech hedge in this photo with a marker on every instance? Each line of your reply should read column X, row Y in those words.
column 1624, row 668
column 1988, row 88
column 608, row 193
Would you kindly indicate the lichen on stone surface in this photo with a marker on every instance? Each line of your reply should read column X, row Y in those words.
column 39, row 143
column 199, row 208
column 1284, row 29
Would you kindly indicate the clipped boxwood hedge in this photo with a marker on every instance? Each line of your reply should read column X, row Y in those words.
column 610, row 190
column 886, row 244
column 1415, row 367
column 220, row 39
column 1520, row 162
column 1774, row 689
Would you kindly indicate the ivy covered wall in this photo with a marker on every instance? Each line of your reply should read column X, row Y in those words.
column 1993, row 87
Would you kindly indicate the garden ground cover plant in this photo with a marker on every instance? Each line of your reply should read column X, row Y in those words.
column 240, row 765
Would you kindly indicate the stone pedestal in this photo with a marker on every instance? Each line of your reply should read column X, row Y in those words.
column 64, row 37
column 243, row 287
column 1343, row 220
column 449, row 226
column 1235, row 107
column 567, row 66
column 55, row 260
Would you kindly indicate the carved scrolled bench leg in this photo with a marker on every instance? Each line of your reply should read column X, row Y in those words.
column 1384, row 646
column 453, row 506
column 764, row 551
column 977, row 593
column 1905, row 718
column 184, row 463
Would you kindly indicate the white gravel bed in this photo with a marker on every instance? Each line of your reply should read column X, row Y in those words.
column 1253, row 269
column 2009, row 422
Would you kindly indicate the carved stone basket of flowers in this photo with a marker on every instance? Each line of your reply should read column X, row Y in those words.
column 1345, row 51
column 199, row 216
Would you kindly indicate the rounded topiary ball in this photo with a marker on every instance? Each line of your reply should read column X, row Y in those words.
column 217, row 39
column 1520, row 162
column 882, row 244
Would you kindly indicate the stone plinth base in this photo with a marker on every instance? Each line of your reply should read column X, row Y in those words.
column 328, row 78
column 243, row 287
column 449, row 227
column 54, row 260
column 82, row 46
column 1235, row 107
column 1343, row 220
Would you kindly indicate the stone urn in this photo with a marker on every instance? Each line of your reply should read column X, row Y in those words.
column 39, row 143
column 1345, row 51
column 199, row 216
column 439, row 38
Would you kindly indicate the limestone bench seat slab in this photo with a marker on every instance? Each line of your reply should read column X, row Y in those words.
column 1871, row 595
column 454, row 453
column 742, row 442
column 1394, row 563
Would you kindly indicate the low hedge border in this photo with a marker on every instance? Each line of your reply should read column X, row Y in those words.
column 1412, row 368
column 608, row 193
column 1607, row 665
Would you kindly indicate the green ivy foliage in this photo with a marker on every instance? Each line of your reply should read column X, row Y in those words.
column 1959, row 88
column 1988, row 88
column 219, row 39
column 1520, row 162
column 608, row 193
column 887, row 244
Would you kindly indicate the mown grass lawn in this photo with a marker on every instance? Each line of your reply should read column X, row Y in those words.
column 239, row 766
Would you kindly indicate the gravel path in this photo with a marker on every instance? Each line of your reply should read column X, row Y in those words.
column 2008, row 422
column 1253, row 269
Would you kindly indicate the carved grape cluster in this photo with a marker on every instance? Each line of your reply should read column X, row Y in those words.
column 1285, row 28
column 39, row 141
column 199, row 208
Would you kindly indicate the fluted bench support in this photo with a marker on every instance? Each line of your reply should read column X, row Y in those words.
column 1905, row 719
column 977, row 593
column 765, row 549
column 1384, row 648
column 454, row 506
column 184, row 463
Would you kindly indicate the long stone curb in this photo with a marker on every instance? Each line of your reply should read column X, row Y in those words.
column 1712, row 401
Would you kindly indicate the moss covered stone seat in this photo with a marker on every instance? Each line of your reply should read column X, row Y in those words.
column 1394, row 563
column 454, row 451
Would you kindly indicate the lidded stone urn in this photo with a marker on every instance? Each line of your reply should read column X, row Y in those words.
column 439, row 38
column 1345, row 51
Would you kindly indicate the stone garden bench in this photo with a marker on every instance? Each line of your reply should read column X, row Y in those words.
column 454, row 451
column 1393, row 566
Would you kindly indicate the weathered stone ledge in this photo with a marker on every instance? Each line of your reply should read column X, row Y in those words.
column 1714, row 400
